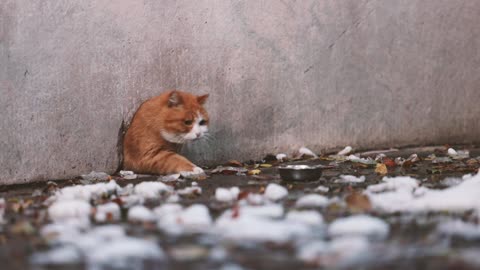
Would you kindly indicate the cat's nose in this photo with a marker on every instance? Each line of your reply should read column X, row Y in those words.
column 198, row 135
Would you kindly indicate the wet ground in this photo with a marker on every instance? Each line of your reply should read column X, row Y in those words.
column 413, row 241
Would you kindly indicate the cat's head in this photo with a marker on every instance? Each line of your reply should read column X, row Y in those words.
column 184, row 117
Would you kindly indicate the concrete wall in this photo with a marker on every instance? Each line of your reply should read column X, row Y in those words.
column 281, row 74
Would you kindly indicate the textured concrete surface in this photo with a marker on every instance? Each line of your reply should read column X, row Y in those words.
column 280, row 74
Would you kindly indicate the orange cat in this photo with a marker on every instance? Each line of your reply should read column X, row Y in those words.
column 158, row 129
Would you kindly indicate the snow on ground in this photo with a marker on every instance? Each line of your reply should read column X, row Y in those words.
column 107, row 212
column 355, row 158
column 402, row 195
column 275, row 192
column 359, row 225
column 460, row 228
column 104, row 245
column 394, row 183
column 255, row 218
column 87, row 192
column 58, row 256
column 65, row 210
column 129, row 175
column 174, row 219
column 346, row 250
column 312, row 200
column 191, row 190
column 281, row 157
column 152, row 190
column 227, row 194
column 350, row 179
column 258, row 228
column 124, row 252
column 321, row 188
column 140, row 213
column 308, row 217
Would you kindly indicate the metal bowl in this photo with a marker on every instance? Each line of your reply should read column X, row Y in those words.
column 300, row 172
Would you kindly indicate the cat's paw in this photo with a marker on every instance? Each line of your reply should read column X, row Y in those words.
column 197, row 174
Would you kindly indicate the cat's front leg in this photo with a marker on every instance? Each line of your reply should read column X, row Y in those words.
column 196, row 173
column 169, row 162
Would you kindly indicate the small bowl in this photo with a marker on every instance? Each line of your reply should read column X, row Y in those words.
column 300, row 172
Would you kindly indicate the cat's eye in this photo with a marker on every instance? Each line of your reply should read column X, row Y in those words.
column 188, row 122
column 203, row 122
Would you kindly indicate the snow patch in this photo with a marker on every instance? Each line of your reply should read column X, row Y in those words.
column 323, row 189
column 362, row 225
column 254, row 228
column 275, row 192
column 281, row 157
column 340, row 251
column 312, row 200
column 173, row 219
column 129, row 175
column 403, row 196
column 152, row 190
column 460, row 228
column 70, row 209
column 227, row 195
column 309, row 217
column 140, row 213
column 87, row 192
column 350, row 179
column 107, row 212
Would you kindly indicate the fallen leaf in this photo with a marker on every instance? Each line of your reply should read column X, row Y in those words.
column 235, row 211
column 471, row 162
column 243, row 194
column 23, row 227
column 263, row 177
column 381, row 169
column 234, row 163
column 389, row 162
column 360, row 165
column 358, row 202
column 407, row 164
column 254, row 172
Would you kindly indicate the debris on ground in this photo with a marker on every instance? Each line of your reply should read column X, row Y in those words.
column 368, row 210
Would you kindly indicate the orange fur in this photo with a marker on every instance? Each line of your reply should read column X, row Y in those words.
column 147, row 149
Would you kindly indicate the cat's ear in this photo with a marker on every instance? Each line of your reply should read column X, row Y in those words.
column 174, row 99
column 202, row 99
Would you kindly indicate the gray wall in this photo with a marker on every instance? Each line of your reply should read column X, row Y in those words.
column 281, row 74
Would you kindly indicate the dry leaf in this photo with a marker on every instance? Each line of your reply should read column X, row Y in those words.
column 407, row 163
column 389, row 162
column 243, row 194
column 263, row 177
column 254, row 172
column 381, row 169
column 234, row 163
column 358, row 202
